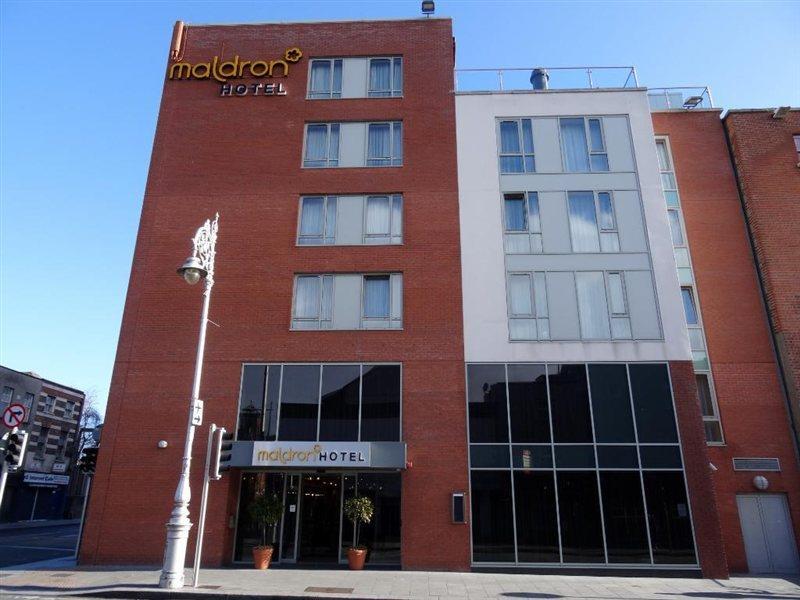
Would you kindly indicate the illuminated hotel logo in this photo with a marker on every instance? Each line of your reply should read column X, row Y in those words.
column 238, row 69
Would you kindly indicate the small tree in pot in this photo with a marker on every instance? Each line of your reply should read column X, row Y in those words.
column 357, row 509
column 265, row 511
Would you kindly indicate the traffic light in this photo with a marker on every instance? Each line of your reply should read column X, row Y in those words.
column 221, row 453
column 16, row 442
column 87, row 463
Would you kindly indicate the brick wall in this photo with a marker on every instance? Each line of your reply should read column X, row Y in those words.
column 241, row 156
column 753, row 411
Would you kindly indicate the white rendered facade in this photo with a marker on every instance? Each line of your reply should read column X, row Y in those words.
column 489, row 257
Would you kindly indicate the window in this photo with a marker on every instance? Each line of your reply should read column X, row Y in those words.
column 385, row 144
column 583, row 144
column 322, row 145
column 313, row 302
column 317, row 220
column 618, row 305
column 384, row 220
column 675, row 227
column 688, row 306
column 29, row 397
column 593, row 226
column 362, row 301
column 523, row 226
column 516, row 146
column 320, row 402
column 41, row 445
column 8, row 394
column 49, row 404
column 527, row 307
column 592, row 305
column 385, row 77
column 708, row 408
column 325, row 80
column 797, row 147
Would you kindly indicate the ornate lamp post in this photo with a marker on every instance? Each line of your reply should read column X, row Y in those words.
column 200, row 265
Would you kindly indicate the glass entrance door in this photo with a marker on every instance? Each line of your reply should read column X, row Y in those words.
column 320, row 512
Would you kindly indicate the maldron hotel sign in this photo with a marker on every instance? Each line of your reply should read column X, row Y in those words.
column 311, row 454
column 230, row 73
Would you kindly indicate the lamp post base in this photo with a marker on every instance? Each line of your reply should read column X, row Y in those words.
column 172, row 575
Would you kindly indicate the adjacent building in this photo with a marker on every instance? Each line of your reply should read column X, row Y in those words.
column 52, row 419
column 432, row 289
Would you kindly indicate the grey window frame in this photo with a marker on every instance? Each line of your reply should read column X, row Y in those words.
column 522, row 154
column 326, row 201
column 538, row 313
column 331, row 93
column 329, row 162
column 8, row 394
column 597, row 221
column 393, row 161
column 392, row 92
column 589, row 151
column 395, row 322
column 322, row 323
column 374, row 239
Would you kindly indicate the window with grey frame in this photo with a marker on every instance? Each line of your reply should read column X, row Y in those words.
column 603, row 305
column 516, row 146
column 618, row 305
column 325, row 78
column 522, row 223
column 383, row 219
column 313, row 302
column 381, row 302
column 583, row 144
column 528, row 317
column 594, row 448
column 8, row 395
column 592, row 222
column 320, row 402
column 317, row 220
column 322, row 145
column 385, row 144
column 385, row 77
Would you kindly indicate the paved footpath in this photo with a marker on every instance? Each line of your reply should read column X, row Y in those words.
column 242, row 584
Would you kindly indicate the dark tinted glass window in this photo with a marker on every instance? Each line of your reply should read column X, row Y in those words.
column 617, row 457
column 537, row 526
column 299, row 400
column 611, row 403
column 248, row 532
column 660, row 457
column 251, row 402
column 569, row 399
column 652, row 400
column 532, row 457
column 574, row 457
column 381, row 536
column 492, row 521
column 339, row 402
column 527, row 397
column 380, row 403
column 623, row 515
column 273, row 399
column 486, row 391
column 489, row 456
column 668, row 512
column 579, row 514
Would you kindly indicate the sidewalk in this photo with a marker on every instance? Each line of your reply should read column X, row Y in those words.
column 247, row 584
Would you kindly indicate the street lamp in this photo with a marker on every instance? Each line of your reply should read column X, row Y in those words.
column 200, row 265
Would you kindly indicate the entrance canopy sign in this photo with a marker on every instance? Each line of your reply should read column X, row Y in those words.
column 319, row 455
column 45, row 479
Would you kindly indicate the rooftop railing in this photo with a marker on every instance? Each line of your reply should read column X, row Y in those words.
column 686, row 97
column 559, row 78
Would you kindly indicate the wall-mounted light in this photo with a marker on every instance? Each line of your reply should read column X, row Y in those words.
column 162, row 444
column 760, row 482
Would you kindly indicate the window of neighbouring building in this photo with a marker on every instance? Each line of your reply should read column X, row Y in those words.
column 613, row 450
column 350, row 220
column 522, row 223
column 8, row 395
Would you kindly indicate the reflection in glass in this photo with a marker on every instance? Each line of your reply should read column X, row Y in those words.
column 611, row 404
column 527, row 390
column 380, row 403
column 339, row 404
column 579, row 515
column 248, row 532
column 492, row 522
column 623, row 515
column 486, row 393
column 299, row 402
column 537, row 525
column 569, row 401
column 251, row 403
column 381, row 536
column 668, row 512
column 652, row 401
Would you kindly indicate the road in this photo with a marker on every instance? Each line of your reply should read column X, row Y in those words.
column 31, row 544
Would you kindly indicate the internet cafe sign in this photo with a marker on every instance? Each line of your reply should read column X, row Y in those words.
column 230, row 73
column 311, row 454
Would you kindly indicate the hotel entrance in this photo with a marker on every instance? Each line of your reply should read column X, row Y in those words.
column 313, row 529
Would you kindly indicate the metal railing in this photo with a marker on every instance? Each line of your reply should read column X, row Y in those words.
column 518, row 78
column 686, row 97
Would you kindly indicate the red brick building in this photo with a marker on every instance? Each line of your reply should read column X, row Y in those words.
column 253, row 155
column 748, row 423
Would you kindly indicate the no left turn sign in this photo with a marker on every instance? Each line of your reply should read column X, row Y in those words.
column 14, row 415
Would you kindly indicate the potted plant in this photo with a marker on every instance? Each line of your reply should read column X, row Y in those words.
column 265, row 511
column 357, row 509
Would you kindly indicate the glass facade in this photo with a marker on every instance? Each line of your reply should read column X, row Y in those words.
column 320, row 402
column 576, row 464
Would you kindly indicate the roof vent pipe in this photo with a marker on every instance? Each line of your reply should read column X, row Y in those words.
column 540, row 78
column 177, row 41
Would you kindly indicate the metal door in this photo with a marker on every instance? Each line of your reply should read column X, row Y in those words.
column 768, row 533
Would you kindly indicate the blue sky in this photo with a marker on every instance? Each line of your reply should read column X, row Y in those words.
column 81, row 83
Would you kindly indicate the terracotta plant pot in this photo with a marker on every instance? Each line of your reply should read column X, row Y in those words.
column 262, row 555
column 356, row 558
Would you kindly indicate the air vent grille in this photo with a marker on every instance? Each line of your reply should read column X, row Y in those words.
column 756, row 464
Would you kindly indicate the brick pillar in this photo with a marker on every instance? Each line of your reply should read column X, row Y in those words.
column 702, row 496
